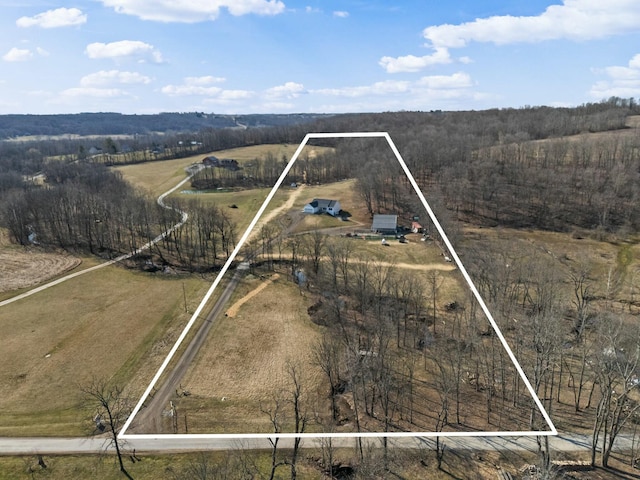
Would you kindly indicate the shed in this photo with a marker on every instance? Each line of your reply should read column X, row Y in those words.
column 385, row 224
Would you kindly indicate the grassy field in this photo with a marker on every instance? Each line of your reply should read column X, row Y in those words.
column 158, row 177
column 245, row 359
column 247, row 203
column 110, row 323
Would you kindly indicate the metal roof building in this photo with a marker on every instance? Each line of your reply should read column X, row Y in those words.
column 387, row 224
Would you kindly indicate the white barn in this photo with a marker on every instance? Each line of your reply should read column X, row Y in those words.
column 323, row 205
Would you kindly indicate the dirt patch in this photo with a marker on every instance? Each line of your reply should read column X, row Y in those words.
column 233, row 311
column 22, row 269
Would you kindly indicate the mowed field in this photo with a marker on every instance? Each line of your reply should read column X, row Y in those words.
column 158, row 177
column 108, row 324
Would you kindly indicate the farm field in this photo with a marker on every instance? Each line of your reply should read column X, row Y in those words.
column 157, row 177
column 58, row 340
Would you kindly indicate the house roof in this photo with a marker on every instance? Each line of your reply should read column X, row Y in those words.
column 384, row 222
column 323, row 203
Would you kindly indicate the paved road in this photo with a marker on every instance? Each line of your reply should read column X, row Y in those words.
column 88, row 445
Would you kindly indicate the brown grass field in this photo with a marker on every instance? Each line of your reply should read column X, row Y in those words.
column 156, row 178
column 245, row 360
column 110, row 323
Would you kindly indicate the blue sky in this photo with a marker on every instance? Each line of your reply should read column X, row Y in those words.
column 287, row 56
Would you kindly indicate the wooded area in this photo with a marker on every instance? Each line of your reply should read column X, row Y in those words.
column 572, row 324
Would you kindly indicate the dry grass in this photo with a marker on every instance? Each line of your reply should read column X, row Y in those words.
column 157, row 177
column 247, row 203
column 246, row 357
column 105, row 324
column 22, row 268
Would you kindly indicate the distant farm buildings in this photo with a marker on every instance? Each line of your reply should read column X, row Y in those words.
column 323, row 205
column 385, row 224
column 227, row 163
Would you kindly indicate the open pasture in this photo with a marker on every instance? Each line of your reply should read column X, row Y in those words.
column 110, row 323
column 244, row 361
column 159, row 176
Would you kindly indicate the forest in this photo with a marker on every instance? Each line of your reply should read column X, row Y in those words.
column 512, row 168
column 482, row 167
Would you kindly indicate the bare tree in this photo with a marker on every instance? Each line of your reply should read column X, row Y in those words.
column 112, row 410
column 617, row 365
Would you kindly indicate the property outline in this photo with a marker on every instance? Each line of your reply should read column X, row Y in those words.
column 552, row 432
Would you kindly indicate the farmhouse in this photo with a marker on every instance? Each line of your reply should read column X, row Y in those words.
column 385, row 224
column 210, row 161
column 227, row 163
column 323, row 205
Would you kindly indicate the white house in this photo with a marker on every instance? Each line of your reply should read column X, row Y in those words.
column 322, row 205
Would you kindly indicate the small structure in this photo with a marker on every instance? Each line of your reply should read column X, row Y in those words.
column 416, row 227
column 211, row 161
column 227, row 163
column 323, row 205
column 385, row 224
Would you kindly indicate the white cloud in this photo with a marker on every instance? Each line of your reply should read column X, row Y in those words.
column 387, row 87
column 288, row 90
column 111, row 77
column 42, row 52
column 235, row 95
column 444, row 85
column 94, row 92
column 623, row 81
column 202, row 86
column 446, row 82
column 411, row 63
column 205, row 80
column 60, row 17
column 184, row 90
column 196, row 11
column 309, row 9
column 17, row 55
column 340, row 14
column 124, row 48
column 574, row 19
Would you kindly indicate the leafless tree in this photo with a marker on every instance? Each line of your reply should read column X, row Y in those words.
column 617, row 364
column 113, row 408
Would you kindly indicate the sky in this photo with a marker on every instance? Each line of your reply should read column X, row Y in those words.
column 314, row 56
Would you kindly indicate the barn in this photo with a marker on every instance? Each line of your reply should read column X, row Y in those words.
column 385, row 224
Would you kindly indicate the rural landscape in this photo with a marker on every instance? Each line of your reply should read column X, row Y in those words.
column 341, row 311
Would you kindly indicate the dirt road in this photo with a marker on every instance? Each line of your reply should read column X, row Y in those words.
column 148, row 420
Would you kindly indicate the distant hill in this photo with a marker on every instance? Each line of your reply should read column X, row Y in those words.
column 13, row 126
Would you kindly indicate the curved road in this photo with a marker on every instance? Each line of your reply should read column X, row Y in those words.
column 184, row 217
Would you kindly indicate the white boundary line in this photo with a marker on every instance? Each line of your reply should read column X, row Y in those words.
column 234, row 253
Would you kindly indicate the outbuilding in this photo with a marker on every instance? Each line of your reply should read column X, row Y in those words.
column 385, row 224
